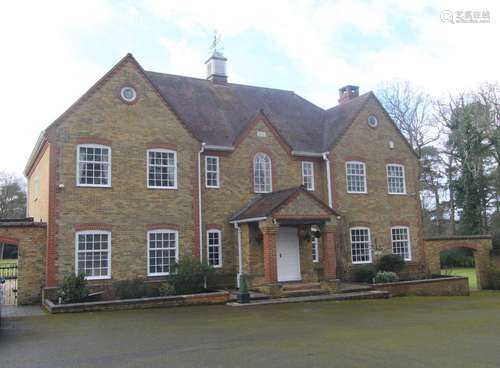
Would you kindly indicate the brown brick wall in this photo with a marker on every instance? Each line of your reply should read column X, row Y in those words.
column 31, row 263
column 377, row 209
column 129, row 206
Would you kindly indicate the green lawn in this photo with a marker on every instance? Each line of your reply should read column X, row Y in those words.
column 466, row 272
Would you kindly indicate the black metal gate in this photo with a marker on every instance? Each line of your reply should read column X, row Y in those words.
column 8, row 274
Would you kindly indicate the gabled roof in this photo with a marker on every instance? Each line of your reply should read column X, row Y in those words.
column 218, row 113
column 265, row 205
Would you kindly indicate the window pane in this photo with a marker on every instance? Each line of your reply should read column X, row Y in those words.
column 401, row 242
column 360, row 245
column 93, row 165
column 355, row 172
column 214, row 248
column 163, row 250
column 396, row 179
column 162, row 168
column 93, row 254
column 262, row 173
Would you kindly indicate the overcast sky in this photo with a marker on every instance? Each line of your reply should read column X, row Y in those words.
column 52, row 52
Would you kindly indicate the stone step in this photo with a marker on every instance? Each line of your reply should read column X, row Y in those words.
column 374, row 294
column 300, row 286
column 304, row 292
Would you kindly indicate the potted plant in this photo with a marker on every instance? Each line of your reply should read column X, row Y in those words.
column 243, row 294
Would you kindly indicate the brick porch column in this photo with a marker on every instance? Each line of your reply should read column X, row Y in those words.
column 270, row 232
column 329, row 256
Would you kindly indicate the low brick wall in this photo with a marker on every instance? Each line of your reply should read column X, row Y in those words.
column 218, row 297
column 441, row 286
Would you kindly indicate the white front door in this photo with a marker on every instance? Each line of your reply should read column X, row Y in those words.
column 288, row 256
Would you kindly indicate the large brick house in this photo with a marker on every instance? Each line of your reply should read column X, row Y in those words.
column 146, row 168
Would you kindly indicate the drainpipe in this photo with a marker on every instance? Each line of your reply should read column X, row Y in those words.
column 199, row 201
column 240, row 257
column 328, row 178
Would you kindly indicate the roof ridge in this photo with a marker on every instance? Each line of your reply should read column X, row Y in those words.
column 228, row 83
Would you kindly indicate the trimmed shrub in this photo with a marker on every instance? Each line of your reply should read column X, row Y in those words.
column 166, row 289
column 73, row 288
column 189, row 276
column 492, row 277
column 385, row 276
column 391, row 263
column 132, row 289
column 364, row 273
column 458, row 257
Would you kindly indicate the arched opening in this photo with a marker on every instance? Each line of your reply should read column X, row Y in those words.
column 460, row 261
column 9, row 254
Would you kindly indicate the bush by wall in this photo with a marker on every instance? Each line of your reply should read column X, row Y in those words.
column 384, row 277
column 391, row 263
column 458, row 257
column 364, row 273
column 492, row 278
column 189, row 276
column 132, row 289
column 73, row 288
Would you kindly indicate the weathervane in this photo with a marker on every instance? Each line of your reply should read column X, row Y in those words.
column 215, row 47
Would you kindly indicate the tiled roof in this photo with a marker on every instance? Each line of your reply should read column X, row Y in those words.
column 264, row 204
column 218, row 113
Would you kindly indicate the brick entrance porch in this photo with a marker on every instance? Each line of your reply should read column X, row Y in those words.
column 258, row 228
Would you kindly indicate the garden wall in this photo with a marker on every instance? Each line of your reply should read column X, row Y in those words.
column 30, row 238
column 479, row 244
column 442, row 286
column 219, row 297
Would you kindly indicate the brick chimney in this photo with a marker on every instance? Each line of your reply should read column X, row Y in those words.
column 347, row 93
column 216, row 68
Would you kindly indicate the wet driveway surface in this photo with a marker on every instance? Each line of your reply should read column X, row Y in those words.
column 399, row 332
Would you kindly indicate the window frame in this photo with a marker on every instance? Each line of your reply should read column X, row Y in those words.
column 162, row 150
column 270, row 174
column 160, row 231
column 219, row 232
column 217, row 172
column 93, row 145
column 315, row 249
column 388, row 182
column 369, row 244
column 77, row 251
column 407, row 228
column 365, row 182
column 304, row 163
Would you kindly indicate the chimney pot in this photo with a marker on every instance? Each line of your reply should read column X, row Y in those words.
column 347, row 93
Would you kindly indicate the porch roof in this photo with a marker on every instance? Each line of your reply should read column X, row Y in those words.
column 265, row 205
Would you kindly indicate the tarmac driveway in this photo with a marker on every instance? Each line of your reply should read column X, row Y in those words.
column 399, row 332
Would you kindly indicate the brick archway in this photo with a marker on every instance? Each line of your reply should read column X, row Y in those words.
column 479, row 244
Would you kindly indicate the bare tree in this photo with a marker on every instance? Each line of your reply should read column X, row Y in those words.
column 12, row 196
column 411, row 110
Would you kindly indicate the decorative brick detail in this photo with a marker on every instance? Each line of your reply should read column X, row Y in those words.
column 213, row 226
column 83, row 227
column 395, row 161
column 163, row 226
column 359, row 224
column 400, row 223
column 9, row 240
column 50, row 258
column 161, row 145
column 354, row 158
column 93, row 140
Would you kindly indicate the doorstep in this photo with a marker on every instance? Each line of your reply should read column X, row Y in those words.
column 371, row 294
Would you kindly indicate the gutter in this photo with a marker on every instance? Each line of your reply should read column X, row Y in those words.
column 199, row 201
column 34, row 153
column 307, row 154
column 328, row 178
column 252, row 219
column 213, row 147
